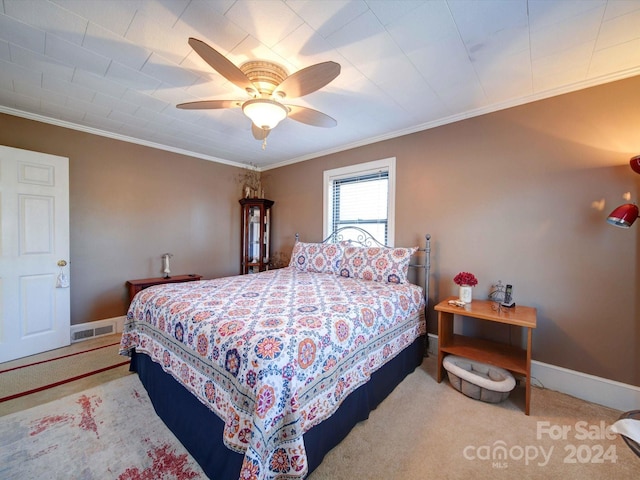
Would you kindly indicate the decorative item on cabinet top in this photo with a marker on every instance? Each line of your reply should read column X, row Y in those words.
column 255, row 254
column 251, row 182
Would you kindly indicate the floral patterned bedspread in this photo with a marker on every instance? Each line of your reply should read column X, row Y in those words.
column 273, row 353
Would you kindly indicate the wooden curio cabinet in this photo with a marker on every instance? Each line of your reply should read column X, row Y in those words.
column 256, row 235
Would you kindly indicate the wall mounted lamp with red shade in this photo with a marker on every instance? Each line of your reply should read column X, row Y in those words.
column 626, row 214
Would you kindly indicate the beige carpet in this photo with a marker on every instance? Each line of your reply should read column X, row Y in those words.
column 426, row 430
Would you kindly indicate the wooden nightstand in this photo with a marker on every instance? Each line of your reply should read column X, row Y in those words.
column 136, row 285
column 509, row 357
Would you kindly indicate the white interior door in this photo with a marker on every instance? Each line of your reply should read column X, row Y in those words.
column 34, row 214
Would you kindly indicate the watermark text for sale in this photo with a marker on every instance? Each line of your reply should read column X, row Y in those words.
column 582, row 443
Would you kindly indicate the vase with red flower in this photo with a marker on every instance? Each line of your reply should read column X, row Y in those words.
column 465, row 281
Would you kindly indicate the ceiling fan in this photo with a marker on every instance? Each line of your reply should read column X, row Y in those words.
column 268, row 85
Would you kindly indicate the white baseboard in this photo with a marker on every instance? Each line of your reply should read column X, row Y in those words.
column 602, row 391
column 99, row 328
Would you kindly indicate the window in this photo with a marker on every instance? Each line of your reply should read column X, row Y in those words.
column 361, row 195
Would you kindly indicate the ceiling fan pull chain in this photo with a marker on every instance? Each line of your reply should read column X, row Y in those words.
column 264, row 143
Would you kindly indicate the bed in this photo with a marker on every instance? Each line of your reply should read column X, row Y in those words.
column 260, row 375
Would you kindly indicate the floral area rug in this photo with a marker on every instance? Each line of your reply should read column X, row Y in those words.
column 107, row 432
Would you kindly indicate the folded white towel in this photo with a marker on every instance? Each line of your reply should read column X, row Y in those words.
column 628, row 427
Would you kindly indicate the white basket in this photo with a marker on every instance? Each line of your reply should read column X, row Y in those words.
column 479, row 380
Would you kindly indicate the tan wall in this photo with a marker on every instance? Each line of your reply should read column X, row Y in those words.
column 129, row 204
column 509, row 196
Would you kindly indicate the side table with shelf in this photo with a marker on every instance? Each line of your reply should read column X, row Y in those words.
column 136, row 285
column 509, row 357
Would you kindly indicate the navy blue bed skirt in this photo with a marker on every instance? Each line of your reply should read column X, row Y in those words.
column 201, row 431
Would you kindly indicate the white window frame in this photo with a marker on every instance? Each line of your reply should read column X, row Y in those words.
column 386, row 164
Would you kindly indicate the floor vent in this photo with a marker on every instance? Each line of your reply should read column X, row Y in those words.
column 92, row 330
column 82, row 334
column 108, row 330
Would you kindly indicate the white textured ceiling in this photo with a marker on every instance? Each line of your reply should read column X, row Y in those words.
column 119, row 67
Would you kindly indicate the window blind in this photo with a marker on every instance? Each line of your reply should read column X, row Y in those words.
column 363, row 201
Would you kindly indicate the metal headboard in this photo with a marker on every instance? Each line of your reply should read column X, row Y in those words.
column 365, row 239
column 362, row 237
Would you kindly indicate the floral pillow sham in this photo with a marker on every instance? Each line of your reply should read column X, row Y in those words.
column 316, row 257
column 378, row 264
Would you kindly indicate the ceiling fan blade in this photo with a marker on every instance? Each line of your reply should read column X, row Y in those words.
column 210, row 104
column 221, row 64
column 310, row 117
column 308, row 80
column 259, row 133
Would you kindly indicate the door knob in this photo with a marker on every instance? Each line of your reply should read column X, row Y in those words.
column 62, row 281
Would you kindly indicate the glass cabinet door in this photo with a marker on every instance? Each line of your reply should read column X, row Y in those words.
column 254, row 235
column 256, row 232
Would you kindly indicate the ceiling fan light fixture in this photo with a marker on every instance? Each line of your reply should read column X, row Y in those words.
column 268, row 84
column 264, row 113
